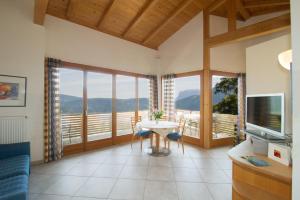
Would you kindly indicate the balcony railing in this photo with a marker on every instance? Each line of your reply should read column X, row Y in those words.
column 223, row 125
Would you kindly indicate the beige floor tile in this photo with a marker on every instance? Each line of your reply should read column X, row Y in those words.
column 223, row 163
column 214, row 176
column 128, row 189
column 138, row 161
column 39, row 183
column 134, row 172
column 205, row 163
column 49, row 197
column 160, row 174
column 96, row 187
column 108, row 171
column 83, row 169
column 160, row 161
column 183, row 162
column 193, row 191
column 160, row 190
column 66, row 185
column 187, row 175
column 220, row 191
column 116, row 160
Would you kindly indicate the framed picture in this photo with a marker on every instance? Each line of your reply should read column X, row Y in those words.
column 12, row 91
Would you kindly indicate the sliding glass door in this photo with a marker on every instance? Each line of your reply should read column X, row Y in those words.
column 71, row 105
column 187, row 91
column 225, row 106
column 126, row 103
column 99, row 106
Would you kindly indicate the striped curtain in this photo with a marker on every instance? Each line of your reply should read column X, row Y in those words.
column 241, row 102
column 52, row 125
column 153, row 103
column 168, row 96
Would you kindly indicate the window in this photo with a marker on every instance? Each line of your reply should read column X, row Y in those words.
column 71, row 105
column 187, row 103
column 125, row 103
column 99, row 106
column 225, row 109
column 144, row 97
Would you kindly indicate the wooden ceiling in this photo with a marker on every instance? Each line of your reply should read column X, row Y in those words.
column 145, row 22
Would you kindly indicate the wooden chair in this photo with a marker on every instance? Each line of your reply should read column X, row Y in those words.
column 177, row 135
column 141, row 133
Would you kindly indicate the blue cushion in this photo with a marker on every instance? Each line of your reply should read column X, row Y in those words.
column 10, row 150
column 14, row 188
column 143, row 133
column 13, row 166
column 174, row 136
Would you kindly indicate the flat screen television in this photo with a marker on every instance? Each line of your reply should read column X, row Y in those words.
column 265, row 114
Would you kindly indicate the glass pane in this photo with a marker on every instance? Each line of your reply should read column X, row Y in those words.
column 224, row 97
column 144, row 96
column 187, row 103
column 99, row 106
column 71, row 97
column 125, row 103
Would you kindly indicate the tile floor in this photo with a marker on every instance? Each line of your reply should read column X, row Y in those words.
column 122, row 173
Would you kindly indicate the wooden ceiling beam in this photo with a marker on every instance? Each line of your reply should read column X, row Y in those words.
column 214, row 5
column 242, row 10
column 270, row 10
column 262, row 28
column 136, row 20
column 105, row 13
column 178, row 10
column 265, row 3
column 40, row 8
column 231, row 15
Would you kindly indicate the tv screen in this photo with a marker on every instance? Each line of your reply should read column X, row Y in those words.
column 265, row 112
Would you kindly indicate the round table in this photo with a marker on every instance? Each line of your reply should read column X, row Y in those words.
column 159, row 128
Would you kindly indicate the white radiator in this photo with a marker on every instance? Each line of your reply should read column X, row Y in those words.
column 13, row 129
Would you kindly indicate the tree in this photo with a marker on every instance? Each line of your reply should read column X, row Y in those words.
column 228, row 105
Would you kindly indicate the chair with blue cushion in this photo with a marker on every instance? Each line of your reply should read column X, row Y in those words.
column 177, row 135
column 139, row 132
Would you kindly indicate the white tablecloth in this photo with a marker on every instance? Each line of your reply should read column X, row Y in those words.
column 162, row 127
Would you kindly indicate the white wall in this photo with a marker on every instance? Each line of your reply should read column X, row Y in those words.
column 22, row 54
column 266, row 75
column 295, row 5
column 79, row 44
column 183, row 51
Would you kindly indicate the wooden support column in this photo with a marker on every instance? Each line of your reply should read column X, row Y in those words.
column 206, row 114
column 231, row 15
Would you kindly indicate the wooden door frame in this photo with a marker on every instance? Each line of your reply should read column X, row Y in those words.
column 85, row 145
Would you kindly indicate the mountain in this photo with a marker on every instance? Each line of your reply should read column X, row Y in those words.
column 72, row 104
column 189, row 103
column 187, row 93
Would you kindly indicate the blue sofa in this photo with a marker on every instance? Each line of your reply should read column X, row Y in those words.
column 14, row 171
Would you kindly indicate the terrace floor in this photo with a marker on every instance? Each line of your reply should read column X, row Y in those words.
column 121, row 173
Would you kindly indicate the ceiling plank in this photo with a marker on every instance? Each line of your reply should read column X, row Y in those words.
column 105, row 13
column 178, row 10
column 40, row 8
column 262, row 28
column 139, row 17
column 265, row 3
column 242, row 10
column 214, row 5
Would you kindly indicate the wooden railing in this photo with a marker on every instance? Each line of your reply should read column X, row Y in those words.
column 223, row 125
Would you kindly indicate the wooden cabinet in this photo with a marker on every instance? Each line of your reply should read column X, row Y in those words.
column 259, row 183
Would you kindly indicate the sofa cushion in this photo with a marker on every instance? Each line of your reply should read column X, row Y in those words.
column 13, row 166
column 14, row 188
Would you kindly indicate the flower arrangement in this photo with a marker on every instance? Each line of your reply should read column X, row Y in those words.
column 157, row 114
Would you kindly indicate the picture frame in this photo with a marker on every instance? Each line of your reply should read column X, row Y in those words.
column 13, row 91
